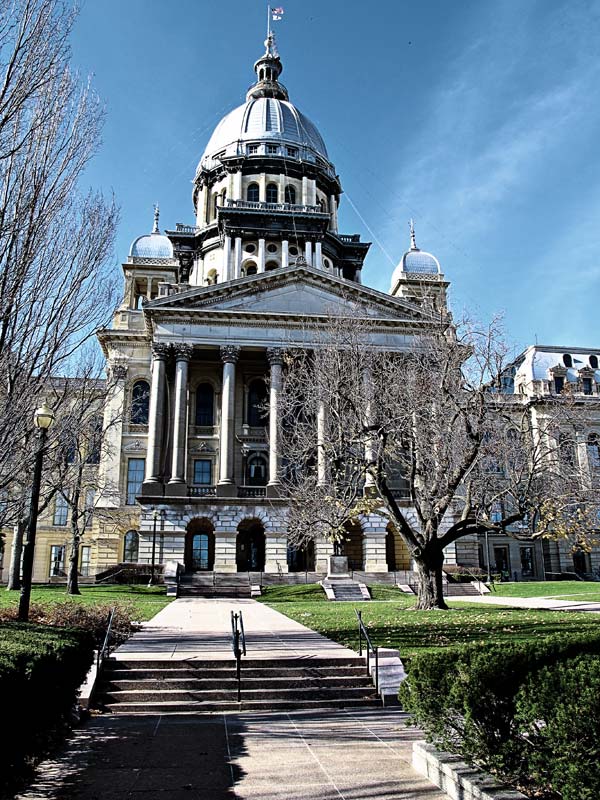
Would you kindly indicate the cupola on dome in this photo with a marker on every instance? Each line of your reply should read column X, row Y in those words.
column 153, row 245
column 415, row 261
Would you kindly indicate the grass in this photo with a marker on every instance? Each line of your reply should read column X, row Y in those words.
column 396, row 624
column 147, row 601
column 562, row 590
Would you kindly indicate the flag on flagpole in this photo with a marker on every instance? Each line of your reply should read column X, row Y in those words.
column 277, row 14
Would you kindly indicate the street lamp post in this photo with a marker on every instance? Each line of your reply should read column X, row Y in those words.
column 43, row 419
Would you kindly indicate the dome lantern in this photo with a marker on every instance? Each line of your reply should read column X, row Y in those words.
column 268, row 68
column 152, row 246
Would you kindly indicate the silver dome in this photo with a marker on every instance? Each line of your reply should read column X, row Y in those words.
column 420, row 262
column 151, row 245
column 263, row 119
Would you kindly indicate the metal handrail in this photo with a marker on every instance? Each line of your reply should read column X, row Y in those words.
column 362, row 631
column 238, row 635
column 106, row 644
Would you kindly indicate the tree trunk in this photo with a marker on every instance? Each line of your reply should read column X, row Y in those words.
column 430, row 586
column 16, row 551
column 72, row 575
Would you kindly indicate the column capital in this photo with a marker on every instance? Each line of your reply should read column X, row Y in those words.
column 160, row 351
column 275, row 356
column 118, row 371
column 230, row 353
column 183, row 352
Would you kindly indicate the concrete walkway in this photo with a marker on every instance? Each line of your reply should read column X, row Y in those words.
column 327, row 755
column 200, row 628
column 547, row 603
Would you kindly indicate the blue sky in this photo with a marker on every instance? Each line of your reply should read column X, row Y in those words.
column 479, row 118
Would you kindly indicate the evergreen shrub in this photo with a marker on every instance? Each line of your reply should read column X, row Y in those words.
column 516, row 709
column 41, row 669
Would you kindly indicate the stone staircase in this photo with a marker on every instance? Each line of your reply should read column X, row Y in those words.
column 460, row 590
column 184, row 687
column 349, row 591
column 214, row 584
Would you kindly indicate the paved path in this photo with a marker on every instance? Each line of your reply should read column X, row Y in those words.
column 328, row 755
column 201, row 628
column 532, row 602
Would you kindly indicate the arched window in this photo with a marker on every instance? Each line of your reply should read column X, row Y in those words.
column 567, row 360
column 593, row 449
column 261, row 75
column 140, row 403
column 212, row 277
column 250, row 268
column 253, row 193
column 205, row 405
column 131, row 546
column 566, row 449
column 321, row 204
column 290, row 195
column 223, row 196
column 256, row 470
column 594, row 362
column 270, row 265
column 215, row 203
column 257, row 400
column 272, row 193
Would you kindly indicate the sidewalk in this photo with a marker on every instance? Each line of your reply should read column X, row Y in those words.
column 532, row 602
column 200, row 628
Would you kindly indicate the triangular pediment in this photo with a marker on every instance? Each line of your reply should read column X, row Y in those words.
column 297, row 291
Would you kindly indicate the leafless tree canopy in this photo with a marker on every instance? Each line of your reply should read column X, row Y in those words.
column 56, row 242
column 424, row 438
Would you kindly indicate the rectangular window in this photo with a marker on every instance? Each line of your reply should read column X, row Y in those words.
column 202, row 472
column 86, row 553
column 587, row 386
column 61, row 511
column 501, row 560
column 527, row 562
column 57, row 560
column 292, row 152
column 135, row 476
column 272, row 149
column 252, row 149
column 559, row 384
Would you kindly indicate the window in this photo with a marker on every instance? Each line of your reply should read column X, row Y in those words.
column 290, row 195
column 566, row 449
column 135, row 476
column 272, row 193
column 61, row 510
column 587, row 385
column 94, row 442
column 527, row 566
column 252, row 149
column 593, row 449
column 567, row 360
column 594, row 362
column 202, row 472
column 84, row 566
column 205, row 405
column 272, row 149
column 257, row 471
column 215, row 203
column 293, row 251
column 131, row 546
column 271, row 248
column 253, row 193
column 292, row 152
column 250, row 268
column 270, row 265
column 257, row 399
column 57, row 560
column 250, row 248
column 559, row 384
column 90, row 501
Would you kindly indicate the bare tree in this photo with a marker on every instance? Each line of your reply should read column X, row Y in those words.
column 55, row 241
column 423, row 438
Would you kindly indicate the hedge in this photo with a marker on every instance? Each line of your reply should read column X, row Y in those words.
column 41, row 669
column 526, row 711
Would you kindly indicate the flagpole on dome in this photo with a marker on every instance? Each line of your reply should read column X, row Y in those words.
column 268, row 20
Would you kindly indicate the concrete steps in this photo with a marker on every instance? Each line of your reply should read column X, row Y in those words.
column 460, row 590
column 176, row 687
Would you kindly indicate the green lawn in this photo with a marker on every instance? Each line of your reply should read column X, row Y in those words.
column 146, row 601
column 563, row 590
column 396, row 624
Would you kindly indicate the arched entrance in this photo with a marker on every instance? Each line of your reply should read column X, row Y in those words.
column 352, row 545
column 250, row 546
column 199, row 553
column 301, row 559
column 396, row 551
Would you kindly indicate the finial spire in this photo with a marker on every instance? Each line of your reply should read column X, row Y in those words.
column 413, row 241
column 156, row 217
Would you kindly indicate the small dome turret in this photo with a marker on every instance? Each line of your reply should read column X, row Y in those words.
column 415, row 262
column 153, row 245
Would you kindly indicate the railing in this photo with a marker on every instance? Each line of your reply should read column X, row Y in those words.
column 181, row 228
column 362, row 633
column 252, row 491
column 238, row 643
column 286, row 207
column 202, row 491
column 349, row 238
column 105, row 649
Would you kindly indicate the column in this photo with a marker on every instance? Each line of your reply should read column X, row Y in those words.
column 369, row 442
column 229, row 356
column 160, row 352
column 200, row 218
column 333, row 212
column 205, row 204
column 276, row 362
column 237, row 257
column 318, row 255
column 285, row 253
column 237, row 185
column 312, row 192
column 183, row 354
column 308, row 252
column 261, row 255
column 262, row 188
column 321, row 460
column 227, row 259
column 305, row 191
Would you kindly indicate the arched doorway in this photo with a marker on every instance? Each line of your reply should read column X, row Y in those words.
column 352, row 545
column 396, row 551
column 250, row 546
column 301, row 559
column 199, row 553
